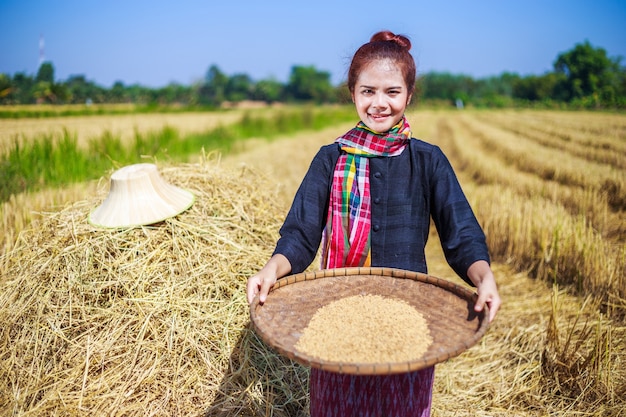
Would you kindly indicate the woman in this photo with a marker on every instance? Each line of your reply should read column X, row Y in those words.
column 368, row 198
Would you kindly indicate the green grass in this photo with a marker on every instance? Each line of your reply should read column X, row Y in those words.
column 52, row 161
column 51, row 110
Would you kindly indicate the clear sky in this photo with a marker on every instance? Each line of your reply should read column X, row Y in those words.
column 155, row 42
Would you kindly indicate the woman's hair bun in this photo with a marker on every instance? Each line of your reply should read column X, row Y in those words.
column 386, row 36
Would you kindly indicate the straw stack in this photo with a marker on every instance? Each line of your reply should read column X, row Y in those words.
column 148, row 320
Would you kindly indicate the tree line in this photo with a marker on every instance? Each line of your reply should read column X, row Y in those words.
column 582, row 77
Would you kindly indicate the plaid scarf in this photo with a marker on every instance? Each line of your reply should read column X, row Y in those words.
column 346, row 240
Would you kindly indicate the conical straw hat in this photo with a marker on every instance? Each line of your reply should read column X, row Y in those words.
column 139, row 196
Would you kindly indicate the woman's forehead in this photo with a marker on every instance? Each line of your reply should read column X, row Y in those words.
column 383, row 71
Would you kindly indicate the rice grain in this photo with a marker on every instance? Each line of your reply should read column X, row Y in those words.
column 366, row 329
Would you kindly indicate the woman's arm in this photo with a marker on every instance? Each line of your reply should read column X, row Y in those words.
column 462, row 239
column 302, row 230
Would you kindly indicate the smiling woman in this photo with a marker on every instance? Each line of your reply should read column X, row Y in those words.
column 381, row 81
column 381, row 95
column 367, row 200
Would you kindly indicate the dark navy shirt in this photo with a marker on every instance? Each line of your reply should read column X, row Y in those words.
column 406, row 191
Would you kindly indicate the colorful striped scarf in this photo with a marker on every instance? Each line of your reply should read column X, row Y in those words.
column 346, row 240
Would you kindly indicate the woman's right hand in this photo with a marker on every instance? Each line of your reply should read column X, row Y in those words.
column 261, row 283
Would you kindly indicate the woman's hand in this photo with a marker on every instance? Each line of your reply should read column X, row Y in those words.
column 481, row 275
column 261, row 283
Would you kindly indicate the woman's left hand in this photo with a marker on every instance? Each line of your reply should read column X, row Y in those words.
column 482, row 276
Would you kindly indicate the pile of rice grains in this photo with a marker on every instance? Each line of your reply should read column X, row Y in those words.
column 150, row 320
column 366, row 329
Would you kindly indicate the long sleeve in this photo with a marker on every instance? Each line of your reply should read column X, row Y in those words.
column 301, row 233
column 407, row 190
column 462, row 239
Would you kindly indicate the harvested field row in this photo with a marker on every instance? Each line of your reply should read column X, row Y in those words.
column 87, row 128
column 486, row 166
column 568, row 232
column 590, row 129
column 548, row 163
column 600, row 149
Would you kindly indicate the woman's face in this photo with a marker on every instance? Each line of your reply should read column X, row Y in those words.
column 380, row 95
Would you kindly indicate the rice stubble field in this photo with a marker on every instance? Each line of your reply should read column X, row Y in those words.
column 153, row 320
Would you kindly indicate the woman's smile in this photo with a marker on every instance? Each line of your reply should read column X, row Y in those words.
column 381, row 95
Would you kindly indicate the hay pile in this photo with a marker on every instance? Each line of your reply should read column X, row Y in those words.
column 148, row 321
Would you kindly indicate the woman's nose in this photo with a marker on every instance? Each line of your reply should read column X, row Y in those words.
column 378, row 101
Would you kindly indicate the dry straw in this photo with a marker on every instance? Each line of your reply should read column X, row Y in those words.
column 143, row 321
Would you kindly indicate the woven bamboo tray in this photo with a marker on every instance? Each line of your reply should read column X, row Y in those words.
column 447, row 307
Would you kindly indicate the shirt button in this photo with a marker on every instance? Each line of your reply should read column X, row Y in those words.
column 378, row 175
column 377, row 200
column 376, row 228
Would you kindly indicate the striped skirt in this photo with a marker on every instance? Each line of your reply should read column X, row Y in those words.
column 398, row 395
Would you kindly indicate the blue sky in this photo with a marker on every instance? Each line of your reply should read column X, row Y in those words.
column 155, row 42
